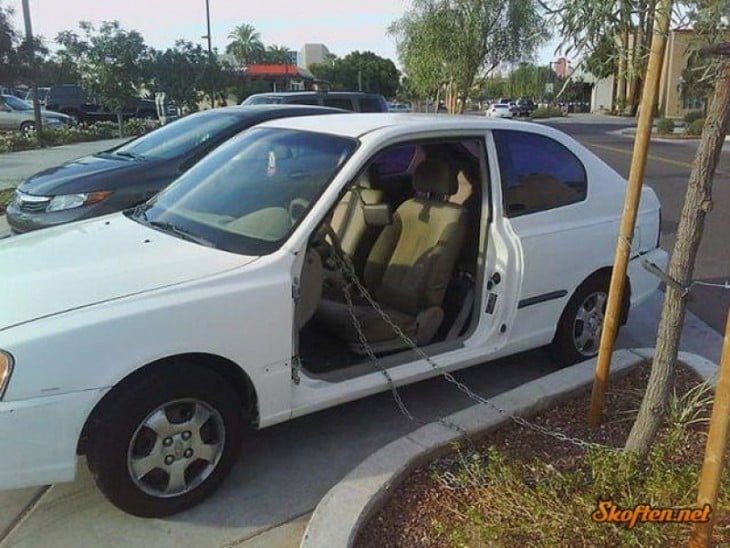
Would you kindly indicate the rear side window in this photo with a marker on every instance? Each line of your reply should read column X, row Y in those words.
column 370, row 104
column 537, row 173
column 339, row 102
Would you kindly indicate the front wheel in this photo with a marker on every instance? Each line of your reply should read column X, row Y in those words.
column 27, row 127
column 578, row 334
column 166, row 440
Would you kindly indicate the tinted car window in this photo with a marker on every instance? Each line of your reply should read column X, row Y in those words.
column 305, row 100
column 538, row 173
column 180, row 137
column 370, row 104
column 17, row 104
column 263, row 100
column 339, row 102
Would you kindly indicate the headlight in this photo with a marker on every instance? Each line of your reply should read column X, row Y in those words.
column 70, row 201
column 51, row 121
column 6, row 368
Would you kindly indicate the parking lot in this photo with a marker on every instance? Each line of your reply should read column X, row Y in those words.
column 286, row 469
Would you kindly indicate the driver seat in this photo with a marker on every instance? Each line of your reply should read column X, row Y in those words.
column 409, row 267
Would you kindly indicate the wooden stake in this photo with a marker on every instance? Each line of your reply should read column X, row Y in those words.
column 715, row 447
column 631, row 206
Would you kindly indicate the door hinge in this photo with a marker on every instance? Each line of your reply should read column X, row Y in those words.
column 296, row 289
column 296, row 365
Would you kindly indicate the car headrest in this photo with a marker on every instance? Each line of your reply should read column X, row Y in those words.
column 435, row 176
column 369, row 178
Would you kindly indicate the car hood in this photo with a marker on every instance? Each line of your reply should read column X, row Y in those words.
column 72, row 266
column 51, row 114
column 87, row 174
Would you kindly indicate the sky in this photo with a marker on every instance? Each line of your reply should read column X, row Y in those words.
column 342, row 25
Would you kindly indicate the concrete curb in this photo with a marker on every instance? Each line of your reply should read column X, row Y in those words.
column 350, row 503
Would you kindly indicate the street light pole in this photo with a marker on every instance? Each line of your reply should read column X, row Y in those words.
column 33, row 84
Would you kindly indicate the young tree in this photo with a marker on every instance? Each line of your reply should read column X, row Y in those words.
column 453, row 42
column 112, row 63
column 246, row 46
column 711, row 20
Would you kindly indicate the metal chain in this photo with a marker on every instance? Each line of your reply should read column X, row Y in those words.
column 344, row 264
column 374, row 359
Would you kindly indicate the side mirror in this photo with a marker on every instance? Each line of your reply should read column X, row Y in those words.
column 377, row 214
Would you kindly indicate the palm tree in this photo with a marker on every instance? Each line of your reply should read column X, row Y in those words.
column 276, row 55
column 246, row 46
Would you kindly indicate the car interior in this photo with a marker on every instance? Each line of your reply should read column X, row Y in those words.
column 412, row 228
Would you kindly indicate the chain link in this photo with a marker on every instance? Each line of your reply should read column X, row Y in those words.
column 344, row 265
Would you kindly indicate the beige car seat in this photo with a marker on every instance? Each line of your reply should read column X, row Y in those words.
column 409, row 267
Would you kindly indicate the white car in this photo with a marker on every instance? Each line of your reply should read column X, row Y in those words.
column 150, row 340
column 500, row 110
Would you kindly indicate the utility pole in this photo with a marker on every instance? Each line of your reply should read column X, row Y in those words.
column 210, row 53
column 33, row 83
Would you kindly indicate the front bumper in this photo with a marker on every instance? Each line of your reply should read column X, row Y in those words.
column 39, row 438
column 22, row 221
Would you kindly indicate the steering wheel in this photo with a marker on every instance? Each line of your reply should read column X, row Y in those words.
column 297, row 209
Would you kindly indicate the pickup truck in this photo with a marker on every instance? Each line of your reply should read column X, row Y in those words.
column 72, row 100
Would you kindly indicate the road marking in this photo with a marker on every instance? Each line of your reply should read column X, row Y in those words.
column 652, row 157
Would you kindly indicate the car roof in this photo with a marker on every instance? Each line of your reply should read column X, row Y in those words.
column 358, row 124
column 314, row 93
column 265, row 112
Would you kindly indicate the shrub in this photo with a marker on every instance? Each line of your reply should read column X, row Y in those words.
column 696, row 127
column 665, row 126
column 693, row 115
column 546, row 112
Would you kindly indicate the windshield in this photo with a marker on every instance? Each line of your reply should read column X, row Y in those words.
column 181, row 136
column 17, row 104
column 249, row 195
column 262, row 100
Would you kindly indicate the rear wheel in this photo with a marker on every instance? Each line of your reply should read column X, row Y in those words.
column 166, row 441
column 578, row 335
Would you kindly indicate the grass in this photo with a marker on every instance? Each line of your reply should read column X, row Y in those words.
column 501, row 501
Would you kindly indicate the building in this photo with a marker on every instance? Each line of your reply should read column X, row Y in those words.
column 311, row 54
column 671, row 103
column 280, row 77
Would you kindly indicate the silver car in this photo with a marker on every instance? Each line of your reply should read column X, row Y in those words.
column 16, row 114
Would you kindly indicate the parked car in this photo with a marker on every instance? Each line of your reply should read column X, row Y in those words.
column 499, row 110
column 523, row 107
column 347, row 100
column 73, row 100
column 18, row 115
column 127, row 175
column 151, row 340
column 398, row 107
column 42, row 94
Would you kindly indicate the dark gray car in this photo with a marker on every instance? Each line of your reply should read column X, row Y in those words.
column 132, row 173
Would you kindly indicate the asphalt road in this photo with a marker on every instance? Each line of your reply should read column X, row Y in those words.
column 667, row 172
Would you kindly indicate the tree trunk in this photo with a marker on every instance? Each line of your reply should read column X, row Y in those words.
column 697, row 203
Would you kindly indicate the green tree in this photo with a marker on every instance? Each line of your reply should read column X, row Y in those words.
column 180, row 72
column 453, row 42
column 276, row 55
column 246, row 46
column 9, row 62
column 112, row 63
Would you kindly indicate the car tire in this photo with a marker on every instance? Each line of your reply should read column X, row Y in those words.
column 27, row 127
column 578, row 334
column 165, row 441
